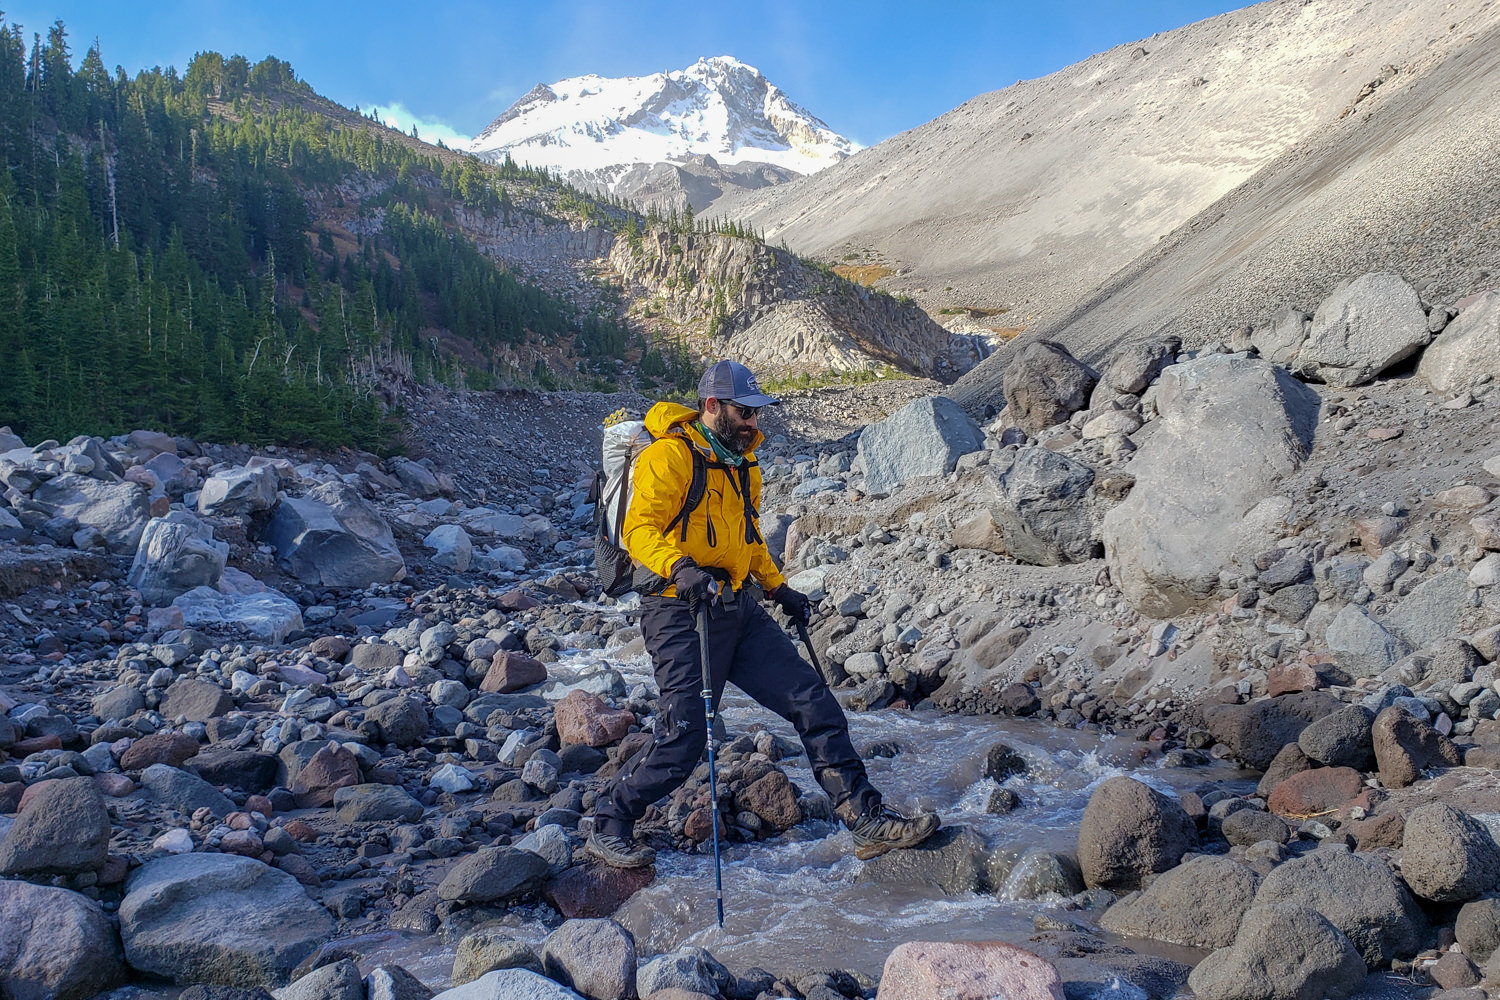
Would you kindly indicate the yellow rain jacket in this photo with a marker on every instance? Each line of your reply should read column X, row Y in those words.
column 716, row 530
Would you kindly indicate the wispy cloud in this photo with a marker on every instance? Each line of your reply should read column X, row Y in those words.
column 399, row 116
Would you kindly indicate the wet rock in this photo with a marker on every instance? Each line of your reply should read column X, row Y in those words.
column 1362, row 329
column 951, row 860
column 392, row 982
column 64, row 827
column 1038, row 505
column 332, row 768
column 1256, row 732
column 1234, row 428
column 593, row 957
column 1405, row 746
column 772, row 798
column 929, row 970
column 488, row 949
column 176, row 553
column 1040, row 873
column 595, row 890
column 511, row 671
column 493, row 874
column 923, row 438
column 509, row 984
column 196, row 700
column 1045, row 385
column 1446, row 855
column 1130, row 830
column 586, row 718
column 1341, row 739
column 1316, row 791
column 1282, row 952
column 1465, row 352
column 55, row 944
column 687, row 968
column 336, row 981
column 1199, row 904
column 1358, row 894
column 217, row 918
column 331, row 537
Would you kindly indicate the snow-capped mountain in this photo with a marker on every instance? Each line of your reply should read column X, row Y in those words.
column 596, row 130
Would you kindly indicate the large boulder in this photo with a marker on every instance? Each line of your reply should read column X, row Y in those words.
column 1467, row 350
column 923, row 438
column 1359, row 894
column 594, row 957
column 951, row 861
column 1447, row 855
column 219, row 918
column 402, row 721
column 493, row 874
column 1134, row 366
column 584, row 718
column 64, row 828
column 933, row 970
column 1038, row 506
column 1405, row 746
column 509, row 984
column 687, row 968
column 450, row 546
column 1360, row 645
column 1362, row 329
column 1044, row 386
column 238, row 491
column 1130, row 830
column 1341, row 739
column 55, row 945
column 268, row 615
column 1279, row 340
column 1432, row 611
column 1231, row 429
column 1198, row 904
column 177, row 553
column 1256, row 732
column 118, row 510
column 186, row 792
column 332, row 538
column 1283, row 952
column 195, row 700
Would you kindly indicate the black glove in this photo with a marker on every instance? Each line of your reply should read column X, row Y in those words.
column 796, row 605
column 693, row 584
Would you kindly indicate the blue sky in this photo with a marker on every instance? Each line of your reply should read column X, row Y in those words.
column 868, row 69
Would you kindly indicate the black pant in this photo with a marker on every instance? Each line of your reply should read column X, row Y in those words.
column 749, row 649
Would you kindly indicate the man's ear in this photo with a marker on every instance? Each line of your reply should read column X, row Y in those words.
column 711, row 406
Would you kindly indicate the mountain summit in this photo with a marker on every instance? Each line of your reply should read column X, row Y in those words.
column 717, row 121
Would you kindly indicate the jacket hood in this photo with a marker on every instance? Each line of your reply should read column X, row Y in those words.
column 673, row 418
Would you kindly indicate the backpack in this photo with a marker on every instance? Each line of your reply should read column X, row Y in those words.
column 624, row 440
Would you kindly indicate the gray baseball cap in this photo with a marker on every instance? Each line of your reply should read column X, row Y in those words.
column 732, row 381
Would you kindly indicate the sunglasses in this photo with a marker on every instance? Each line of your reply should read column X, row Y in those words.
column 746, row 412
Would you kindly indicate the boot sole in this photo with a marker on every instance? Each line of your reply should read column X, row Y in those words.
column 867, row 851
column 615, row 862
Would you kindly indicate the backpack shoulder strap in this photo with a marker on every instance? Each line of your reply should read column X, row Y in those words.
column 697, row 487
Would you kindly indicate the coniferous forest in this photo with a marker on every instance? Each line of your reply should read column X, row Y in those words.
column 160, row 265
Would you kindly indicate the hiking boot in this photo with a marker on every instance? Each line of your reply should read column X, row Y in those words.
column 617, row 852
column 886, row 830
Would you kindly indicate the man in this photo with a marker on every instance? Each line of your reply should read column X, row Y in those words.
column 705, row 560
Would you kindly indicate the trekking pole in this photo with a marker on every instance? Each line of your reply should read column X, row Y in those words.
column 713, row 778
column 812, row 653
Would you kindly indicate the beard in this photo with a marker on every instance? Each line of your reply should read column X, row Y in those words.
column 740, row 437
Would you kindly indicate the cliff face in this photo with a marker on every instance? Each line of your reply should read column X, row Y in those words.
column 771, row 310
